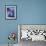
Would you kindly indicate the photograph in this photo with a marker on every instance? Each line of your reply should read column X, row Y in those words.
column 10, row 12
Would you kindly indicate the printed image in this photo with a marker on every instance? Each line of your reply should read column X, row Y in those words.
column 10, row 12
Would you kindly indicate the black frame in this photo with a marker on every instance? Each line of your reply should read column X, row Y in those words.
column 5, row 12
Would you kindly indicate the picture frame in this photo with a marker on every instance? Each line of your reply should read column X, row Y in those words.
column 10, row 12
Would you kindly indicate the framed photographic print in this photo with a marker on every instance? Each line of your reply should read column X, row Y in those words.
column 10, row 11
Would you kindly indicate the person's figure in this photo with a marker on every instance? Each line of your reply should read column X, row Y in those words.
column 10, row 12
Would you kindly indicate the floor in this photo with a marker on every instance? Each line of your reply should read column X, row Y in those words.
column 30, row 43
column 7, row 45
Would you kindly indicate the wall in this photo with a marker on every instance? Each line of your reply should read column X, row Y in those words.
column 28, row 12
column 6, row 26
column 32, row 11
